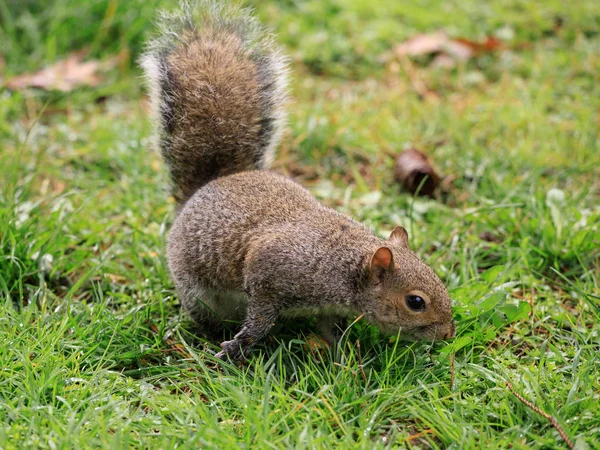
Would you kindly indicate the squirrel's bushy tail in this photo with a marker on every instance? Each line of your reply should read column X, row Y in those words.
column 218, row 87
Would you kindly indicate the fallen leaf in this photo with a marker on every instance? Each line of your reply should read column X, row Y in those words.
column 415, row 172
column 490, row 44
column 315, row 345
column 422, row 44
column 447, row 50
column 64, row 75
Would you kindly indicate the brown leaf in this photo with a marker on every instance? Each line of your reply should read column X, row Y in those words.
column 414, row 170
column 438, row 43
column 422, row 44
column 489, row 45
column 64, row 75
column 315, row 345
column 448, row 50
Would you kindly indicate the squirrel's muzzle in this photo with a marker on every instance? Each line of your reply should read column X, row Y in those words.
column 450, row 331
column 433, row 332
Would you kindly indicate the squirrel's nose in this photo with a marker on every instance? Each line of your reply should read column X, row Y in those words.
column 451, row 332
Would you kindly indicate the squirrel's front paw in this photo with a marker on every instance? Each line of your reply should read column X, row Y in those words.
column 232, row 350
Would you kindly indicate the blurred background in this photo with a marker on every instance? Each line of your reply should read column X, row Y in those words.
column 543, row 54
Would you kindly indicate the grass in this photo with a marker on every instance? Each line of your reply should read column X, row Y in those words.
column 95, row 352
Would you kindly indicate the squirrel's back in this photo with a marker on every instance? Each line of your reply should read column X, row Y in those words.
column 218, row 86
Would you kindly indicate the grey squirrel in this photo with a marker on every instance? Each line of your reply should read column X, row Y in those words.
column 248, row 243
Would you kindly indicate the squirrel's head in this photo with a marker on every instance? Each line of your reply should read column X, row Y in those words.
column 405, row 293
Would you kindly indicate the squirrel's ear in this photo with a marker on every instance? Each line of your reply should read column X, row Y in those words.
column 399, row 236
column 381, row 262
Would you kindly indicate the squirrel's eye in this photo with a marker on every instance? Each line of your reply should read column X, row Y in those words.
column 415, row 302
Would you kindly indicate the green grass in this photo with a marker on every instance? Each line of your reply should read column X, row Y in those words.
column 94, row 350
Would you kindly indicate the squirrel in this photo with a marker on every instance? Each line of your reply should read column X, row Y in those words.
column 248, row 243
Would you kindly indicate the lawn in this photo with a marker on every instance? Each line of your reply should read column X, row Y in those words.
column 95, row 352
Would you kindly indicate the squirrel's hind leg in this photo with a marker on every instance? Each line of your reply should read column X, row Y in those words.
column 200, row 304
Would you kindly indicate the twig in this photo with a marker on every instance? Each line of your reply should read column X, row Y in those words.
column 356, row 320
column 360, row 364
column 552, row 420
column 415, row 80
column 353, row 372
column 412, row 437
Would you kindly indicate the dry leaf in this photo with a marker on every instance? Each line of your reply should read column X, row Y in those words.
column 422, row 44
column 64, row 75
column 315, row 345
column 489, row 45
column 448, row 50
column 415, row 172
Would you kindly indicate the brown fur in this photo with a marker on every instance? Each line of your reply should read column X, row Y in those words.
column 218, row 90
column 253, row 245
